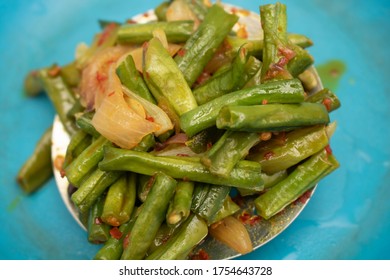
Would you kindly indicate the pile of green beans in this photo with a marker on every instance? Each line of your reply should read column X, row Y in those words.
column 249, row 129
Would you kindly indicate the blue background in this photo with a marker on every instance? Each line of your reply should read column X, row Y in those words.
column 347, row 218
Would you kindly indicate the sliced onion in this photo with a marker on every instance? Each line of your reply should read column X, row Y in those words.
column 120, row 124
column 233, row 233
column 95, row 76
column 121, row 121
column 155, row 113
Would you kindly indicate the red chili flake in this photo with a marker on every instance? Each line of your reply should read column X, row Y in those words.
column 181, row 52
column 269, row 155
column 182, row 155
column 100, row 78
column 200, row 255
column 304, row 197
column 233, row 10
column 111, row 93
column 254, row 219
column 328, row 150
column 126, row 240
column 130, row 21
column 264, row 102
column 282, row 61
column 248, row 219
column 98, row 221
column 150, row 118
column 209, row 145
column 274, row 70
column 244, row 217
column 106, row 33
column 146, row 14
column 115, row 233
column 328, row 103
column 54, row 71
column 287, row 53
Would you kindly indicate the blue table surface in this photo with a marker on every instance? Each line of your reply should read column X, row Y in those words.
column 348, row 216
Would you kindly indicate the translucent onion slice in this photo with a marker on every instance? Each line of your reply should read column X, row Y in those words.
column 119, row 123
column 153, row 112
column 233, row 233
column 95, row 76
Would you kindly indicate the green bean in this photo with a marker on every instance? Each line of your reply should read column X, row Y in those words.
column 213, row 201
column 161, row 10
column 77, row 144
column 98, row 232
column 326, row 97
column 147, row 143
column 228, row 150
column 198, row 8
column 164, row 232
column 299, row 40
column 304, row 177
column 289, row 149
column 271, row 117
column 269, row 182
column 120, row 200
column 76, row 109
column 251, row 73
column 301, row 61
column 180, row 206
column 225, row 82
column 245, row 174
column 191, row 233
column 274, row 23
column 61, row 97
column 229, row 207
column 71, row 74
column 132, row 79
column 201, row 142
column 84, row 122
column 199, row 195
column 152, row 214
column 32, row 84
column 204, row 116
column 92, row 187
column 203, row 43
column 137, row 33
column 86, row 161
column 165, row 79
column 37, row 169
column 113, row 248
